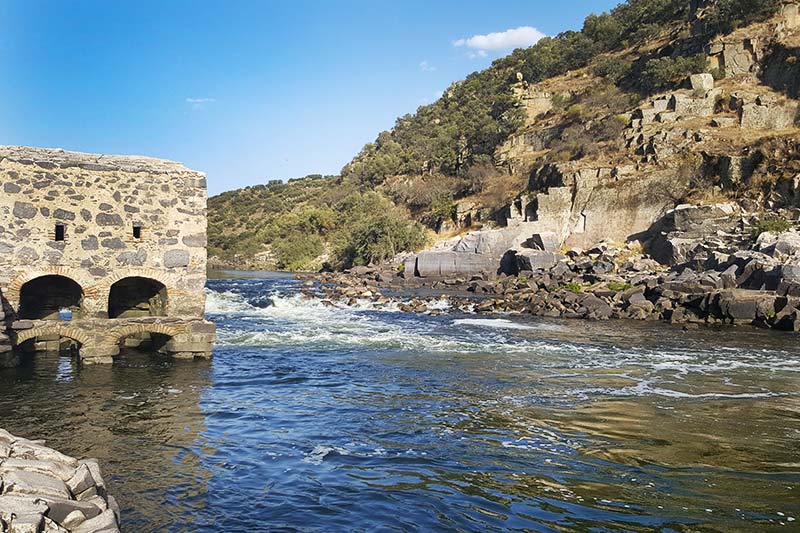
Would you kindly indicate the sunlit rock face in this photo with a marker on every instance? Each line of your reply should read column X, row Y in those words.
column 98, row 248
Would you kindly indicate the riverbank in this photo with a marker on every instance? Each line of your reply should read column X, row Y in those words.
column 46, row 491
column 758, row 287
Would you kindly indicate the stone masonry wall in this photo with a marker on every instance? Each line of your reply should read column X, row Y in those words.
column 99, row 199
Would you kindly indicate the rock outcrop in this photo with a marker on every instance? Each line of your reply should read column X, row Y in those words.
column 716, row 281
column 45, row 491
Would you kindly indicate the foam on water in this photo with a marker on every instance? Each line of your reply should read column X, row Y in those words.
column 503, row 323
column 286, row 318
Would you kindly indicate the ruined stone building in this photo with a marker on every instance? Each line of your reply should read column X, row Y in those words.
column 98, row 252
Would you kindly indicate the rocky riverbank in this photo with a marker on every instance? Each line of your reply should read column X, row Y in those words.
column 716, row 266
column 45, row 491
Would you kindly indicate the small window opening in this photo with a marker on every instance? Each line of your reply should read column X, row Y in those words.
column 60, row 230
column 137, row 232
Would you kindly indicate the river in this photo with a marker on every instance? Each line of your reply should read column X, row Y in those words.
column 320, row 419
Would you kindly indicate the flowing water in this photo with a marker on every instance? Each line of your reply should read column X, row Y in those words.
column 319, row 419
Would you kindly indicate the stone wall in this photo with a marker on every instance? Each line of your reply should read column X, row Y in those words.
column 93, row 221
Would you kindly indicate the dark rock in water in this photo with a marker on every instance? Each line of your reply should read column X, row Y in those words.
column 264, row 302
column 746, row 306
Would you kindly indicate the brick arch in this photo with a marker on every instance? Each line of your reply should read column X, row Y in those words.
column 116, row 335
column 170, row 281
column 81, row 277
column 63, row 330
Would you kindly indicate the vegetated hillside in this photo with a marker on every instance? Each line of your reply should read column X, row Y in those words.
column 454, row 153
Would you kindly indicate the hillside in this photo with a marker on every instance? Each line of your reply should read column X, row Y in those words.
column 613, row 99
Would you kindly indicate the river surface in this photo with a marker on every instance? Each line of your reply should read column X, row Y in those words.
column 317, row 419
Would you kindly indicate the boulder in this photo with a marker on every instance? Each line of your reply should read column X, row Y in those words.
column 765, row 243
column 767, row 114
column 789, row 284
column 702, row 82
column 106, row 522
column 547, row 241
column 449, row 263
column 787, row 244
column 33, row 483
column 596, row 307
column 526, row 259
column 691, row 218
column 745, row 306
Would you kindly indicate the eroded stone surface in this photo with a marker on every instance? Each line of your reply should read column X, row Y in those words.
column 35, row 497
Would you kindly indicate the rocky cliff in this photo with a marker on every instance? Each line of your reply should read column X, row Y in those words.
column 599, row 171
column 588, row 136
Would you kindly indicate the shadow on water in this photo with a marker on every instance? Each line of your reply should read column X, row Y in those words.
column 140, row 418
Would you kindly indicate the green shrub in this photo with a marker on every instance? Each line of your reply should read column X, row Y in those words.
column 727, row 15
column 612, row 68
column 574, row 287
column 665, row 73
column 619, row 286
column 443, row 208
column 771, row 224
column 296, row 251
column 379, row 237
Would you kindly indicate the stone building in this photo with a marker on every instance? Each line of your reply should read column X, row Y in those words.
column 98, row 252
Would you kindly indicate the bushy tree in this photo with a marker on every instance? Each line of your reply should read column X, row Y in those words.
column 378, row 237
column 664, row 73
column 727, row 15
column 296, row 251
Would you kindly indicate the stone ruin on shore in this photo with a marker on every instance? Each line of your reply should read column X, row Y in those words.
column 98, row 252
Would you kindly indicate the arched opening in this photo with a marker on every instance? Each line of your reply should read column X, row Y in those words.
column 144, row 341
column 50, row 297
column 136, row 297
column 51, row 343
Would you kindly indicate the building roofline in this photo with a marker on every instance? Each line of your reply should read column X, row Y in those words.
column 49, row 158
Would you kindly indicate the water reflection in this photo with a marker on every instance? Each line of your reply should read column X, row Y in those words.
column 139, row 418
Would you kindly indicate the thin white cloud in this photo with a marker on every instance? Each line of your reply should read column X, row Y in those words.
column 424, row 66
column 429, row 100
column 479, row 53
column 521, row 37
column 199, row 103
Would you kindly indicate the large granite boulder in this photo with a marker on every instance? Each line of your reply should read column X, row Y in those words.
column 449, row 263
column 787, row 244
column 526, row 259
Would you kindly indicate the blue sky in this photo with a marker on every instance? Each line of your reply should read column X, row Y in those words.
column 245, row 91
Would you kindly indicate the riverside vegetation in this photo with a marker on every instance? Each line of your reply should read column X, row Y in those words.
column 589, row 137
